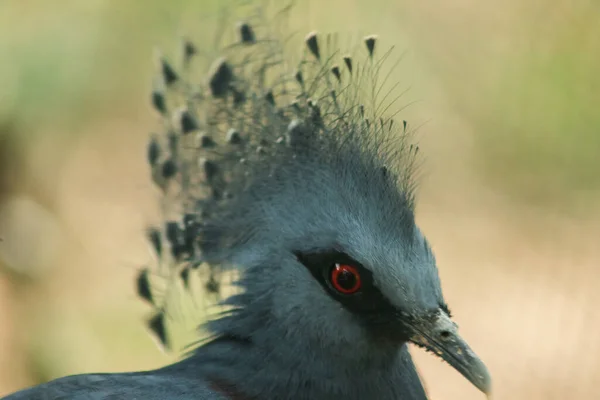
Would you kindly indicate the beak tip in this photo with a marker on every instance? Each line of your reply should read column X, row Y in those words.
column 483, row 381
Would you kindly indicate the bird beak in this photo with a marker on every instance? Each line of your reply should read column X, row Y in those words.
column 440, row 336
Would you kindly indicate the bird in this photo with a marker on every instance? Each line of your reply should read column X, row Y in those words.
column 287, row 173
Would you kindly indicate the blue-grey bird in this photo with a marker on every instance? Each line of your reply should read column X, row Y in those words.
column 289, row 175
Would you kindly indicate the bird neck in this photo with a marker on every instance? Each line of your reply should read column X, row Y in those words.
column 274, row 369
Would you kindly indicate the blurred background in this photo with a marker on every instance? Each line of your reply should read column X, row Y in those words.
column 507, row 94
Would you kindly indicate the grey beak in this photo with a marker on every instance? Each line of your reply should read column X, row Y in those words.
column 440, row 336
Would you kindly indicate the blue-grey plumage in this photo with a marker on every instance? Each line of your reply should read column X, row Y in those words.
column 291, row 175
column 139, row 386
column 212, row 372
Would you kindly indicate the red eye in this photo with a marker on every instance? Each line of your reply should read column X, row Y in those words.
column 345, row 279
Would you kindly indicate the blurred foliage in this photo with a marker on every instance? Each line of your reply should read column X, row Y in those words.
column 544, row 109
column 525, row 75
column 72, row 61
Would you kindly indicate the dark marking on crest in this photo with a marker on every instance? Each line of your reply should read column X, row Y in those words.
column 168, row 73
column 154, row 236
column 153, row 152
column 270, row 98
column 169, row 169
column 185, row 277
column 187, row 122
column 247, row 35
column 143, row 286
column 189, row 51
column 158, row 102
column 348, row 62
column 299, row 78
column 233, row 137
column 221, row 78
column 205, row 141
column 312, row 42
column 210, row 170
column 335, row 70
column 157, row 325
column 370, row 42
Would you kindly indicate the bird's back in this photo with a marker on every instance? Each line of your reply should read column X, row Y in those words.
column 153, row 385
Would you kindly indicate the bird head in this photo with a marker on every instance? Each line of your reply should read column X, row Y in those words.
column 330, row 239
column 311, row 197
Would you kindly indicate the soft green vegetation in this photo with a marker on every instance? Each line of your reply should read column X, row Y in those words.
column 67, row 66
column 526, row 78
column 544, row 122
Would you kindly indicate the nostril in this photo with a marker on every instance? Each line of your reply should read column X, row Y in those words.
column 445, row 334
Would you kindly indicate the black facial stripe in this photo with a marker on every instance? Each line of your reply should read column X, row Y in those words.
column 369, row 304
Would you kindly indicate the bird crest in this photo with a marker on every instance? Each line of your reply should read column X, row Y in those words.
column 266, row 109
